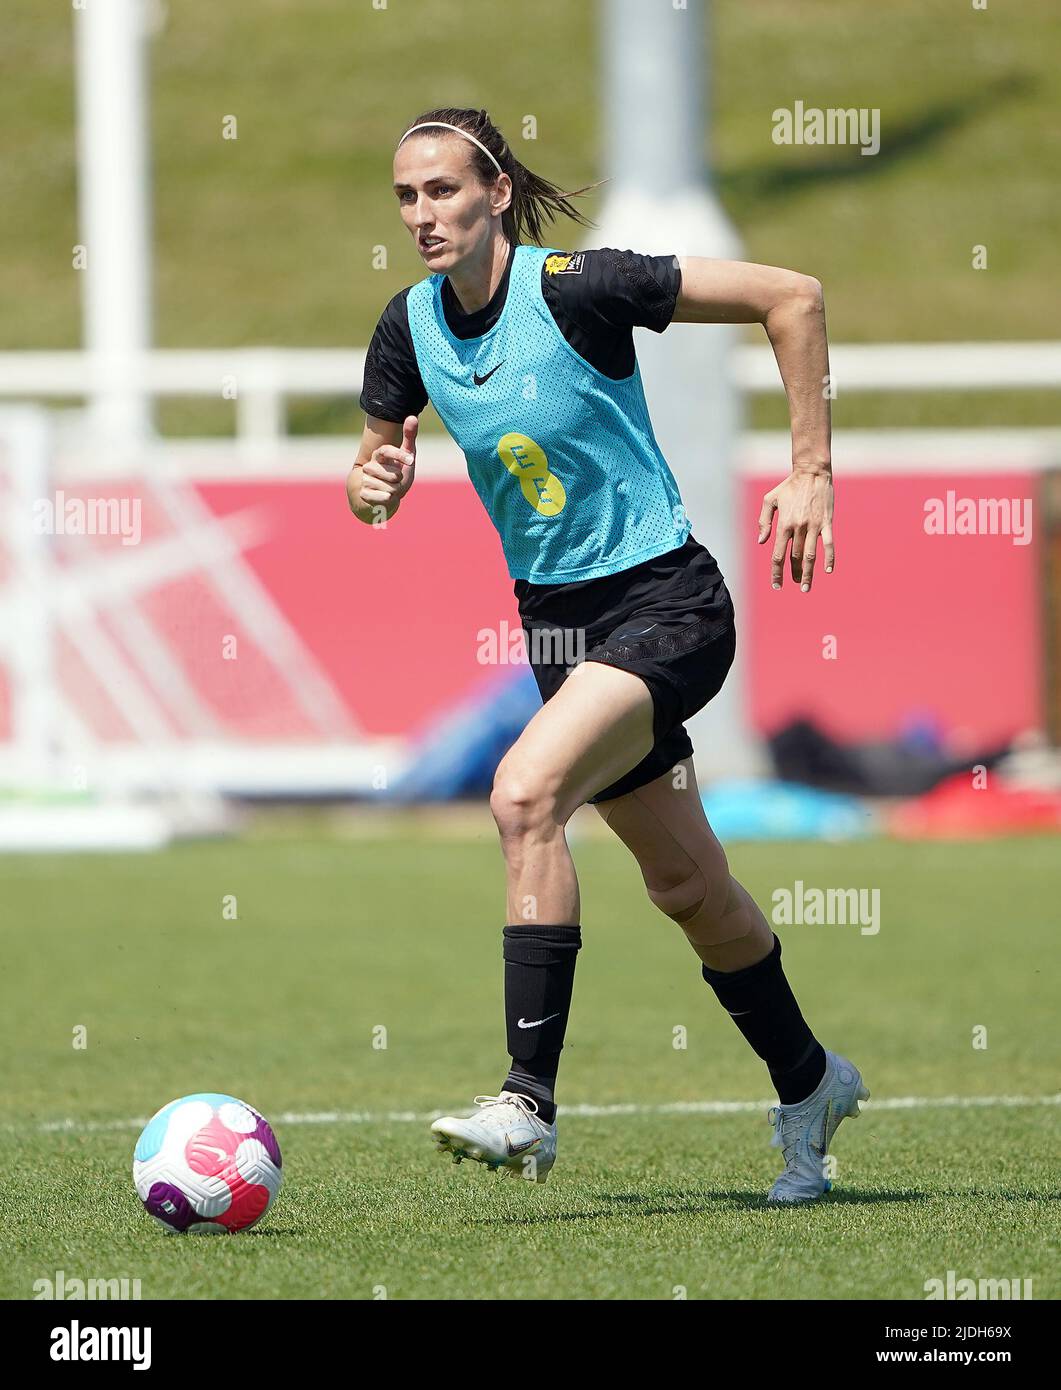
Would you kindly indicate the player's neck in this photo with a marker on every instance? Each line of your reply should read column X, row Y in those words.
column 476, row 284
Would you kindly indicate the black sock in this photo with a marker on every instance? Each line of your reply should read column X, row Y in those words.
column 762, row 1005
column 539, row 976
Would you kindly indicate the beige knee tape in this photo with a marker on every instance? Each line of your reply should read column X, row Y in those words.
column 704, row 925
column 681, row 841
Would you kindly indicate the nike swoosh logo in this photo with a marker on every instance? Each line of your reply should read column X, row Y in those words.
column 514, row 1149
column 537, row 1022
column 642, row 632
column 480, row 379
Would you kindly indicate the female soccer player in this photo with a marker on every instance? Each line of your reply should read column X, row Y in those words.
column 527, row 354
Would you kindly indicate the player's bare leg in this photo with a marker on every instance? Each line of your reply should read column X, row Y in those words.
column 687, row 877
column 597, row 726
column 686, row 871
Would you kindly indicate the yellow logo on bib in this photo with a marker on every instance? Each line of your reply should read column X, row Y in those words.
column 527, row 461
column 554, row 264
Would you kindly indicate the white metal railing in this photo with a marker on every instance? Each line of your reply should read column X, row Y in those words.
column 259, row 381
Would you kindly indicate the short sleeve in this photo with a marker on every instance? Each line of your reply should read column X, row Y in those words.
column 624, row 289
column 393, row 387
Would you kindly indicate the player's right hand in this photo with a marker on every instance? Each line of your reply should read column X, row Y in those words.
column 389, row 473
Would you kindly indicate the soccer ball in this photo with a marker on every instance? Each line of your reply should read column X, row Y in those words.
column 207, row 1163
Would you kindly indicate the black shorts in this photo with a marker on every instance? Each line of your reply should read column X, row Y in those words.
column 668, row 620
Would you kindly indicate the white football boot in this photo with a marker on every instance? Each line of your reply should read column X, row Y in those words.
column 505, row 1134
column 804, row 1131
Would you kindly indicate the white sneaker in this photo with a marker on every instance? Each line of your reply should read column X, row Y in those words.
column 506, row 1134
column 803, row 1131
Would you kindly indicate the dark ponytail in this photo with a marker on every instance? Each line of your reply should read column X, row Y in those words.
column 534, row 200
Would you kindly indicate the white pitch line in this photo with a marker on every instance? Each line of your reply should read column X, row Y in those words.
column 583, row 1112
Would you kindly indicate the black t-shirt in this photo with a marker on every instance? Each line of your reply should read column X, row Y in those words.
column 596, row 308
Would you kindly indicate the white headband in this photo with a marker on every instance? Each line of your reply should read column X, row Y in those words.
column 427, row 125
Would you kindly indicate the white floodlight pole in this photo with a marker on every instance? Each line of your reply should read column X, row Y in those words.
column 28, row 620
column 113, row 204
column 660, row 200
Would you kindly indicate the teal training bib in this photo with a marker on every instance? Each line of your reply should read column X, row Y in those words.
column 563, row 458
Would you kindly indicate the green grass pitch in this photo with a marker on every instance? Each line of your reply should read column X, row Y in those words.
column 273, row 237
column 336, row 939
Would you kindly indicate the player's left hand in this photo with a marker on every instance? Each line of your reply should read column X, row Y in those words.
column 804, row 507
